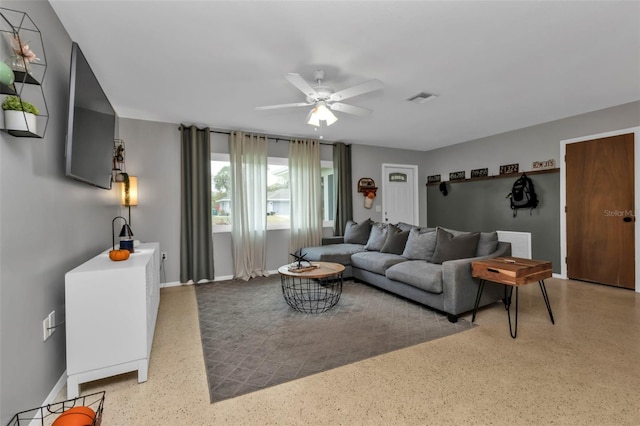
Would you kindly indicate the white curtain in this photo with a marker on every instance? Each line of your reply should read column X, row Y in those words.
column 306, row 194
column 248, row 158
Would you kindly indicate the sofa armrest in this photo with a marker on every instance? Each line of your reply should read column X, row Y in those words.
column 332, row 240
column 460, row 288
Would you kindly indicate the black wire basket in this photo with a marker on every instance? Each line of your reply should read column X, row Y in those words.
column 47, row 414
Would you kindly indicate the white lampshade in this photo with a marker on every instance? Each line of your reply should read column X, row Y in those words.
column 133, row 192
column 321, row 113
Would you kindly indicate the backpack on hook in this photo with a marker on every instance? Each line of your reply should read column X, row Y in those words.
column 523, row 195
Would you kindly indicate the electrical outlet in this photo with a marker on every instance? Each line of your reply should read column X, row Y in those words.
column 52, row 322
column 164, row 255
column 45, row 329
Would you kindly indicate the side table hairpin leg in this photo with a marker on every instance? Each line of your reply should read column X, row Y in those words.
column 478, row 297
column 545, row 296
column 507, row 305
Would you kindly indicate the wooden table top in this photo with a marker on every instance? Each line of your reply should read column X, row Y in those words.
column 322, row 270
column 511, row 270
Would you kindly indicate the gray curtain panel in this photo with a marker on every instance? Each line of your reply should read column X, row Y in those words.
column 342, row 187
column 196, row 242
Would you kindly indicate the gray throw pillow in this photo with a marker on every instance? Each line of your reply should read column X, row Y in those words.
column 421, row 244
column 357, row 233
column 449, row 247
column 377, row 237
column 396, row 240
column 405, row 226
column 487, row 244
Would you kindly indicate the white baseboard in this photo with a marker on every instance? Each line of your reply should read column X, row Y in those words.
column 51, row 398
column 223, row 278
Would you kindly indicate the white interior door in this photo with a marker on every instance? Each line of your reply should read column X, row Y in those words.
column 400, row 193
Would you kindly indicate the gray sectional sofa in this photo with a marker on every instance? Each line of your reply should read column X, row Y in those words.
column 431, row 266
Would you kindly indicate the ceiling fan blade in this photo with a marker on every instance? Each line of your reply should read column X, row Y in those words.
column 360, row 89
column 297, row 104
column 350, row 109
column 302, row 85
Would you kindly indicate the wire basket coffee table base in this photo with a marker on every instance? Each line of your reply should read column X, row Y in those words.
column 312, row 292
column 311, row 295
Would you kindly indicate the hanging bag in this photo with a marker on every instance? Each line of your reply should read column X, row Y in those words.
column 523, row 195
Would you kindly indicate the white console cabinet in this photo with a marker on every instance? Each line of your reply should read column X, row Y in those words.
column 111, row 311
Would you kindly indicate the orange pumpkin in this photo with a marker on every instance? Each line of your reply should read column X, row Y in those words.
column 77, row 416
column 117, row 255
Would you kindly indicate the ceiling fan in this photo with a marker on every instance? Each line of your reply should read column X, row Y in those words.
column 324, row 99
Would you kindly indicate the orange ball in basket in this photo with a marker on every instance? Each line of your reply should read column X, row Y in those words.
column 77, row 416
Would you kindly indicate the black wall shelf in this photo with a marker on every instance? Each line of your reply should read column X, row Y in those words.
column 506, row 175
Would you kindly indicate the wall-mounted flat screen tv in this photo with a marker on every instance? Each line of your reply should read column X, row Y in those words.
column 91, row 126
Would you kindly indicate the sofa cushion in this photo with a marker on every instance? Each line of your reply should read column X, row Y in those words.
column 487, row 244
column 357, row 233
column 338, row 253
column 418, row 273
column 450, row 247
column 421, row 244
column 374, row 261
column 396, row 240
column 377, row 236
column 405, row 226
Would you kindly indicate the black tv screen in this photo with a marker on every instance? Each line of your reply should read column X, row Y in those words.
column 91, row 126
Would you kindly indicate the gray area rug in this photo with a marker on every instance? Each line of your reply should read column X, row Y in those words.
column 251, row 338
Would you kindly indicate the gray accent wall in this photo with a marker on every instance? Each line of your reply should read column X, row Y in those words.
column 523, row 146
column 482, row 205
column 49, row 224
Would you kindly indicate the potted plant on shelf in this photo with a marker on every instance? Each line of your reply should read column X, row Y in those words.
column 19, row 114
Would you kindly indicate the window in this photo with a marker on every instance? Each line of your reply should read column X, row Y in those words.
column 278, row 195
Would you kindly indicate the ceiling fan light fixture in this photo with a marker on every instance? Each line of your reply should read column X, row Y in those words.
column 313, row 119
column 321, row 113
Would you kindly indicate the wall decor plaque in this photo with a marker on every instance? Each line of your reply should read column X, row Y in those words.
column 476, row 173
column 457, row 175
column 548, row 164
column 433, row 179
column 508, row 169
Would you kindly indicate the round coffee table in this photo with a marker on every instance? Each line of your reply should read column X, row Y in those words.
column 314, row 291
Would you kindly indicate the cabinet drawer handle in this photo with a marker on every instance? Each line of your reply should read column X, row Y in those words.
column 493, row 270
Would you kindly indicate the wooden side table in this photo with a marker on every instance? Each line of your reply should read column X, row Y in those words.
column 512, row 272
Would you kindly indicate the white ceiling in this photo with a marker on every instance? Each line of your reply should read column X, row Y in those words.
column 495, row 66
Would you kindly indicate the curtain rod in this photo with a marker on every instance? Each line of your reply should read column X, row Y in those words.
column 274, row 137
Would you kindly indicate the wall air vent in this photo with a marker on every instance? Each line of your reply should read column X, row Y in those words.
column 422, row 97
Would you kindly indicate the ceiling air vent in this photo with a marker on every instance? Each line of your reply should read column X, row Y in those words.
column 422, row 97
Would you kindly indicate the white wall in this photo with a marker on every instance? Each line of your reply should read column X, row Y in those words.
column 48, row 225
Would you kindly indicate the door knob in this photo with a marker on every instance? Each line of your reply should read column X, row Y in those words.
column 629, row 219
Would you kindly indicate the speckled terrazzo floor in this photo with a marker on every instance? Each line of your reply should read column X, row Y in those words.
column 584, row 370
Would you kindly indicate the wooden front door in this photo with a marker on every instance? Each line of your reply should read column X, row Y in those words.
column 600, row 216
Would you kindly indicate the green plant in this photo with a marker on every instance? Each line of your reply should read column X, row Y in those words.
column 14, row 103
